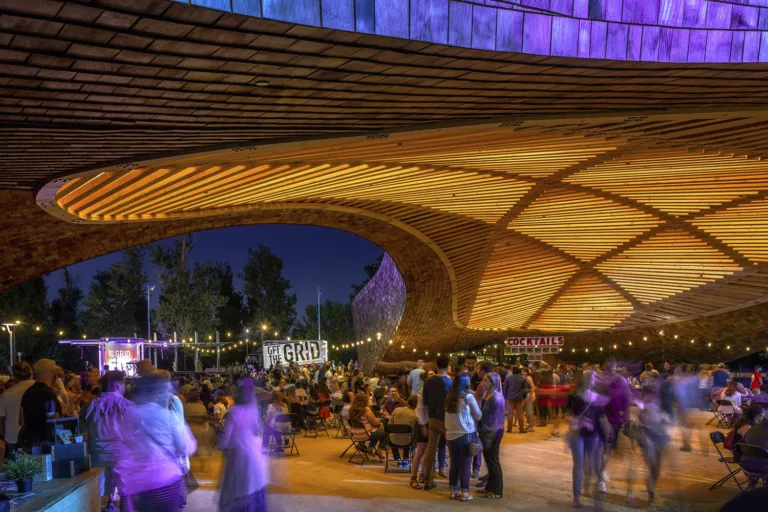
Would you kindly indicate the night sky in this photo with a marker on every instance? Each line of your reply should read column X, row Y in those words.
column 312, row 256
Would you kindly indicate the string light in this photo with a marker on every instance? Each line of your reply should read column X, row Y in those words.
column 630, row 343
column 37, row 328
column 390, row 342
column 614, row 347
column 709, row 344
column 691, row 342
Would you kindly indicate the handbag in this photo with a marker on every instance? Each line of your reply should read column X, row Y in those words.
column 730, row 440
column 475, row 447
column 190, row 481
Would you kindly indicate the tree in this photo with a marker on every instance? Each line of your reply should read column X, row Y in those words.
column 232, row 313
column 267, row 291
column 115, row 305
column 335, row 322
column 65, row 309
column 189, row 299
column 370, row 271
column 34, row 336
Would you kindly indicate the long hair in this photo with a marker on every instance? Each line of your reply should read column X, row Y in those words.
column 459, row 386
column 731, row 389
column 749, row 416
column 357, row 409
column 494, row 383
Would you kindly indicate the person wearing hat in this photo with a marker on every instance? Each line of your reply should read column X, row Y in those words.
column 757, row 380
column 39, row 403
column 719, row 381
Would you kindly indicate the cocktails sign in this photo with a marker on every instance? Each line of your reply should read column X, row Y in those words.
column 536, row 341
column 300, row 352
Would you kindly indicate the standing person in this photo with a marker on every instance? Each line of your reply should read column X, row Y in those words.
column 483, row 368
column 422, row 429
column 246, row 473
column 148, row 471
column 414, row 378
column 719, row 380
column 461, row 412
column 757, row 380
column 515, row 389
column 433, row 397
column 491, row 430
column 102, row 423
column 585, row 437
column 530, row 399
column 653, row 439
column 38, row 404
column 10, row 405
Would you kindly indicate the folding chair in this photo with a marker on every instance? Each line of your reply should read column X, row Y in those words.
column 398, row 437
column 289, row 434
column 718, row 439
column 336, row 416
column 314, row 423
column 717, row 418
column 361, row 438
column 342, row 431
column 728, row 413
column 754, row 463
column 327, row 422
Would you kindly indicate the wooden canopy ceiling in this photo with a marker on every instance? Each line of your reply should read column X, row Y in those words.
column 513, row 191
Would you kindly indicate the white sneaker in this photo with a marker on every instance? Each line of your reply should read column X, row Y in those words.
column 601, row 488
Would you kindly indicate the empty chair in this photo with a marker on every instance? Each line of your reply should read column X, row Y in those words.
column 718, row 439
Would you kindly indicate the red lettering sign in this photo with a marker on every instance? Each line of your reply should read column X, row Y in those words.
column 536, row 341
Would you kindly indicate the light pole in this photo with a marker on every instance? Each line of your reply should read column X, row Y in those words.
column 263, row 330
column 663, row 351
column 318, row 313
column 11, row 328
column 148, row 291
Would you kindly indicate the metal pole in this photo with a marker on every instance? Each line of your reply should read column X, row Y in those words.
column 197, row 353
column 154, row 337
column 318, row 314
column 218, row 351
column 175, row 353
column 12, row 331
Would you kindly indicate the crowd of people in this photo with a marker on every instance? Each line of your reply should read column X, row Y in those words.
column 463, row 411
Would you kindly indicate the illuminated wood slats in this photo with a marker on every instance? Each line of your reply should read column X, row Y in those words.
column 668, row 263
column 677, row 182
column 588, row 303
column 743, row 227
column 582, row 225
column 519, row 278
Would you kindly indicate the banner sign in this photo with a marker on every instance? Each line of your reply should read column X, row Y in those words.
column 119, row 355
column 300, row 352
column 537, row 341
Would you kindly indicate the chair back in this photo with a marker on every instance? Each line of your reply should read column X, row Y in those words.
column 726, row 407
column 752, row 451
column 358, row 431
column 325, row 403
column 287, row 419
column 718, row 439
column 399, row 435
column 752, row 459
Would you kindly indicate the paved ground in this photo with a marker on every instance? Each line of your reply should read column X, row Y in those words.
column 537, row 476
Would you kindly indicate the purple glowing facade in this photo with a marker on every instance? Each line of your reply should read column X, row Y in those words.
column 377, row 311
column 682, row 31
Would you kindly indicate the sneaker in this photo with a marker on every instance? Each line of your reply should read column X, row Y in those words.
column 465, row 496
column 601, row 488
column 685, row 448
column 475, row 474
column 455, row 494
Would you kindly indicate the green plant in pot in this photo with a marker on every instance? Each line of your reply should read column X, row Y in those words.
column 22, row 470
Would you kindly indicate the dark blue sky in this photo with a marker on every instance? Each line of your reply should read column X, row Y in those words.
column 312, row 256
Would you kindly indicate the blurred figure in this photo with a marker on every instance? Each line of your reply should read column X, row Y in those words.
column 150, row 476
column 10, row 405
column 756, row 381
column 530, row 399
column 245, row 476
column 461, row 413
column 219, row 405
column 586, row 437
column 196, row 416
column 491, row 430
column 653, row 438
column 685, row 390
column 102, row 422
column 275, row 409
column 731, row 394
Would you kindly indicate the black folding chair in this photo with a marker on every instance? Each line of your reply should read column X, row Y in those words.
column 313, row 422
column 336, row 415
column 717, row 418
column 399, row 437
column 728, row 413
column 718, row 439
column 361, row 439
column 754, row 463
column 290, row 434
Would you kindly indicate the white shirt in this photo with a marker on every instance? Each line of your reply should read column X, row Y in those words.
column 463, row 421
column 219, row 410
column 10, row 409
column 374, row 382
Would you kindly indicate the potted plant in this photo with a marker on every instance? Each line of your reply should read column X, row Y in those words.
column 22, row 470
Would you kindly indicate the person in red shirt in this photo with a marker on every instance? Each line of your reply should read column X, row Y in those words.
column 757, row 380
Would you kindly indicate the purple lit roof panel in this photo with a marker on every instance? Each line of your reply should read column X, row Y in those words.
column 613, row 10
column 719, row 15
column 305, row 12
column 665, row 44
column 597, row 40
column 751, row 47
column 679, row 49
column 694, row 13
column 585, row 33
column 763, row 53
column 580, row 8
column 671, row 13
column 339, row 14
column 212, row 4
column 634, row 40
column 537, row 29
column 509, row 31
column 429, row 21
column 365, row 16
column 744, row 17
column 762, row 21
column 483, row 28
column 565, row 37
column 697, row 45
column 596, row 10
column 737, row 47
column 719, row 46
column 392, row 18
column 460, row 24
column 617, row 41
column 650, row 45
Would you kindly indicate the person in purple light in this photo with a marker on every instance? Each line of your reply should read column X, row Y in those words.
column 246, row 473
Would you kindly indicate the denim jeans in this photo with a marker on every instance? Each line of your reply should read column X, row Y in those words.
column 587, row 454
column 461, row 462
column 491, row 442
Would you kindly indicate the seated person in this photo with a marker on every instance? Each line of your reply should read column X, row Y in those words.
column 756, row 435
column 731, row 394
column 360, row 412
column 277, row 407
column 404, row 416
column 751, row 415
column 380, row 391
column 392, row 402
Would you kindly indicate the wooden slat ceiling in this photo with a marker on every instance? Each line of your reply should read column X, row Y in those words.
column 592, row 240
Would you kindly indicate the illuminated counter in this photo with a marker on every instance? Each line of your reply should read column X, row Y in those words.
column 79, row 494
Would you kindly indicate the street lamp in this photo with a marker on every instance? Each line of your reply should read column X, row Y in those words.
column 663, row 350
column 11, row 328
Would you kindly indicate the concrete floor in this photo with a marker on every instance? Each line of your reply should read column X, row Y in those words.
column 537, row 476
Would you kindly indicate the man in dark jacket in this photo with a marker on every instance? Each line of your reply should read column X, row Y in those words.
column 433, row 397
column 514, row 393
